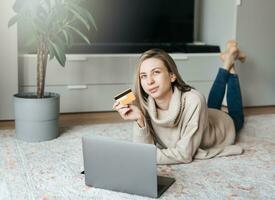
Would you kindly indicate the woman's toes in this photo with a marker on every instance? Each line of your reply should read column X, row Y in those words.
column 231, row 43
column 231, row 54
column 241, row 56
column 233, row 50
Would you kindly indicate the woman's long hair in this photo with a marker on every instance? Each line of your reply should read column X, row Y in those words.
column 141, row 100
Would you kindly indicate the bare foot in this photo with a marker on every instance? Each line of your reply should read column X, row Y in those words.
column 241, row 56
column 229, row 57
column 233, row 43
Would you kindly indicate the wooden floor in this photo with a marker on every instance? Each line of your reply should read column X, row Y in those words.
column 113, row 117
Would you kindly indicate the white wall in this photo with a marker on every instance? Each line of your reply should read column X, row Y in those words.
column 8, row 60
column 252, row 23
column 217, row 21
column 256, row 33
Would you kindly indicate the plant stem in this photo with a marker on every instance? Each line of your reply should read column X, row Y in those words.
column 42, row 57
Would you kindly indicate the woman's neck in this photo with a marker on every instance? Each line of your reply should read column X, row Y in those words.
column 163, row 103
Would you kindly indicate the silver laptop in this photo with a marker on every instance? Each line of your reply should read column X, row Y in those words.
column 122, row 166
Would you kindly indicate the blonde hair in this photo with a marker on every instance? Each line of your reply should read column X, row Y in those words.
column 141, row 100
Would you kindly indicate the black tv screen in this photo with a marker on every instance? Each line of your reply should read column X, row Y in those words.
column 133, row 26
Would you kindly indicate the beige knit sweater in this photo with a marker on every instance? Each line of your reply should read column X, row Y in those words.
column 189, row 129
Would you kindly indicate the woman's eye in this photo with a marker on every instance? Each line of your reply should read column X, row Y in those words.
column 156, row 72
column 142, row 76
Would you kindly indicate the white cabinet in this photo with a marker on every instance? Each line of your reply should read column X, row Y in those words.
column 198, row 67
column 86, row 83
column 199, row 70
column 8, row 58
column 79, row 69
column 89, row 82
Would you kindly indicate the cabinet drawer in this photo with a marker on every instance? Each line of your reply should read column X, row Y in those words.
column 203, row 86
column 198, row 68
column 93, row 98
column 133, row 63
column 78, row 70
column 192, row 67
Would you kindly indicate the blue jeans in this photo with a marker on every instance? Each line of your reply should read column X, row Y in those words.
column 233, row 96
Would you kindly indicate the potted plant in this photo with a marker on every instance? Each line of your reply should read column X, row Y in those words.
column 51, row 25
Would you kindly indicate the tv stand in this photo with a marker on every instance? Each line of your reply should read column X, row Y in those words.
column 201, row 48
column 142, row 47
column 89, row 82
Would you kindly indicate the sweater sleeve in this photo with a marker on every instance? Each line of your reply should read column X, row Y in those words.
column 141, row 135
column 194, row 124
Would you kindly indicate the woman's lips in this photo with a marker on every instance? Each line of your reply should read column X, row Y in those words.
column 153, row 90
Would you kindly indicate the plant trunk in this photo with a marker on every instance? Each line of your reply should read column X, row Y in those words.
column 42, row 58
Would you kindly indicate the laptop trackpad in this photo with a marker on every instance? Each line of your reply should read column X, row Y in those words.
column 164, row 183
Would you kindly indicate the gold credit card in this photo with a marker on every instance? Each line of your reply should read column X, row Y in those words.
column 125, row 97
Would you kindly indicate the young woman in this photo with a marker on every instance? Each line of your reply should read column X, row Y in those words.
column 175, row 117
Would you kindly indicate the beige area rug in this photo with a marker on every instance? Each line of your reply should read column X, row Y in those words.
column 51, row 170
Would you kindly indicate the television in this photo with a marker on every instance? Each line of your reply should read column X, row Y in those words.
column 134, row 26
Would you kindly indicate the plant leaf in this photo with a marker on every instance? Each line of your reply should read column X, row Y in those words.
column 79, row 33
column 13, row 20
column 92, row 20
column 78, row 16
column 51, row 51
column 60, row 56
column 84, row 13
column 61, row 46
column 71, row 39
column 66, row 37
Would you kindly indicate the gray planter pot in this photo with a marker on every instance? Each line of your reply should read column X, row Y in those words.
column 36, row 120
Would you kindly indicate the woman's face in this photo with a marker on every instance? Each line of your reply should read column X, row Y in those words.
column 155, row 79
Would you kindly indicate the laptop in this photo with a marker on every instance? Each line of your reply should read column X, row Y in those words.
column 122, row 166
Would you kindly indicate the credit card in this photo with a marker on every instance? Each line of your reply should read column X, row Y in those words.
column 125, row 97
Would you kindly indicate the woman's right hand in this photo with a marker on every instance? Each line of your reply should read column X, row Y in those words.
column 129, row 112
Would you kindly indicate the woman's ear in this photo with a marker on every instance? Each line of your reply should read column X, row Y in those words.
column 173, row 78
